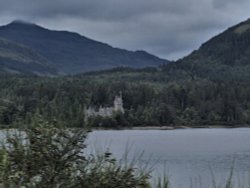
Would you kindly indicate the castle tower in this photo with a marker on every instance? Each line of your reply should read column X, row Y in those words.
column 107, row 111
column 118, row 104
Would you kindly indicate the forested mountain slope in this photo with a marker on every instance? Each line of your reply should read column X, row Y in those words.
column 72, row 53
column 231, row 47
column 19, row 59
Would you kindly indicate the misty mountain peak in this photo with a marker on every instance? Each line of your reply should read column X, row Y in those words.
column 21, row 25
column 22, row 22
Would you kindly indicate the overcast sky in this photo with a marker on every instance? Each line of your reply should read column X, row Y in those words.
column 167, row 28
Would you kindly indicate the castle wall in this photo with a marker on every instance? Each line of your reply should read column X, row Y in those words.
column 106, row 112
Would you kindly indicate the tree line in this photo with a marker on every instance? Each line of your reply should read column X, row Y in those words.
column 151, row 98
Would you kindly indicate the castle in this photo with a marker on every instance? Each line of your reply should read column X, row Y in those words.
column 106, row 111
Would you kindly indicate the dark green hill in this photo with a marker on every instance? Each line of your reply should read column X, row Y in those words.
column 17, row 58
column 231, row 47
column 72, row 53
column 224, row 57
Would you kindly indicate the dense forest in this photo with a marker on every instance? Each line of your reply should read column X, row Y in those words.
column 169, row 95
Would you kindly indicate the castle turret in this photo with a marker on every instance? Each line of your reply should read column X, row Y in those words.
column 118, row 104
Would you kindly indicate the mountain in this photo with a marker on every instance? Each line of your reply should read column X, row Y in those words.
column 72, row 53
column 17, row 58
column 223, row 57
column 232, row 47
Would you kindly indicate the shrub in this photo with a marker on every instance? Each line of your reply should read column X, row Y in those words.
column 47, row 157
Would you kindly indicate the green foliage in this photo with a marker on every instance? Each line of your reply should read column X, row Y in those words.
column 147, row 101
column 44, row 156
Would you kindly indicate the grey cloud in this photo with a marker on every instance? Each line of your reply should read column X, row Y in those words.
column 225, row 3
column 95, row 9
column 168, row 28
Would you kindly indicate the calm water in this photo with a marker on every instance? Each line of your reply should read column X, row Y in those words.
column 189, row 156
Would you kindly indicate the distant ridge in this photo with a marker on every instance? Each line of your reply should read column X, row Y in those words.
column 71, row 53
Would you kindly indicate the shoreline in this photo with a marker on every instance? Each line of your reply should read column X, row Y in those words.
column 163, row 128
column 168, row 128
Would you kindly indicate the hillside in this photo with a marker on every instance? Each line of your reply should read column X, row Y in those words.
column 231, row 47
column 72, row 53
column 17, row 58
column 224, row 57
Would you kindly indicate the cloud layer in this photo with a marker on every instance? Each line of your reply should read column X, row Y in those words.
column 168, row 28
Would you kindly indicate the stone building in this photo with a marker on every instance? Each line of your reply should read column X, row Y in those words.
column 106, row 111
